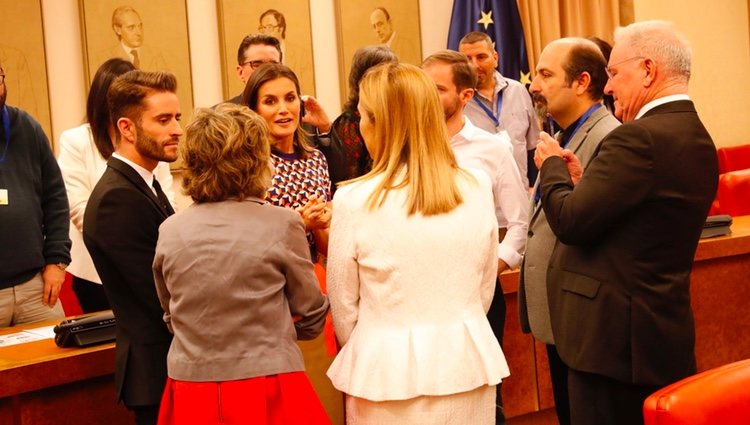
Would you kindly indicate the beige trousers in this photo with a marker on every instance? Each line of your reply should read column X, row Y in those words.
column 23, row 304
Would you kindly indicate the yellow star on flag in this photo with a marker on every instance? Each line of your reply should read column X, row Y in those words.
column 525, row 78
column 486, row 19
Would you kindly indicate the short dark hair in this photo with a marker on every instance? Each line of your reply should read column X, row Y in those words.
column 586, row 57
column 606, row 49
column 97, row 110
column 268, row 72
column 125, row 95
column 280, row 20
column 464, row 76
column 365, row 58
column 255, row 39
column 475, row 37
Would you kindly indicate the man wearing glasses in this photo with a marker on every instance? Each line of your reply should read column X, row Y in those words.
column 619, row 292
column 254, row 51
column 33, row 220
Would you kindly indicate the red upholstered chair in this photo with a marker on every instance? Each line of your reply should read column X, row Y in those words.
column 734, row 193
column 718, row 396
column 733, row 158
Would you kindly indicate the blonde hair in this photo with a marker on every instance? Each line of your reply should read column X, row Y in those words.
column 409, row 134
column 226, row 155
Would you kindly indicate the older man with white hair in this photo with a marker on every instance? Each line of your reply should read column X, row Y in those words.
column 619, row 290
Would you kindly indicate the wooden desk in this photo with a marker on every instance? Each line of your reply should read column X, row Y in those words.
column 41, row 383
column 720, row 290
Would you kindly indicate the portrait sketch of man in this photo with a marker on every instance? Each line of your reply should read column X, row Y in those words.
column 153, row 35
column 385, row 33
column 273, row 22
column 392, row 23
column 287, row 20
column 23, row 59
column 128, row 28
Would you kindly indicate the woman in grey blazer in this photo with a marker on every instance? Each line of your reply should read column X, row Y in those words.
column 236, row 283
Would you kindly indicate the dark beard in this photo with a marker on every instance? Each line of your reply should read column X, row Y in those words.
column 151, row 148
column 540, row 106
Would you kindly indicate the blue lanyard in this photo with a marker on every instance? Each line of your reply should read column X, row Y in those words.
column 499, row 106
column 584, row 117
column 6, row 127
column 582, row 120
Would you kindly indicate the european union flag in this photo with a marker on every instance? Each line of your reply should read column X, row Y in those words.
column 501, row 21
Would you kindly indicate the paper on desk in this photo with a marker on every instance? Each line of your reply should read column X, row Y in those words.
column 28, row 335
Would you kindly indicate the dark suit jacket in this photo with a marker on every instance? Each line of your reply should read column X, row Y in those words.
column 120, row 230
column 618, row 280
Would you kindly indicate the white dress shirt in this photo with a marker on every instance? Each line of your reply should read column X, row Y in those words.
column 492, row 153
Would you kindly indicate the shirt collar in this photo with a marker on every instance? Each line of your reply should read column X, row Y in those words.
column 500, row 84
column 660, row 101
column 146, row 175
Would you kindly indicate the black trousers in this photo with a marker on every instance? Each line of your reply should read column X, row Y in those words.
column 599, row 400
column 145, row 415
column 558, row 372
column 496, row 317
column 90, row 295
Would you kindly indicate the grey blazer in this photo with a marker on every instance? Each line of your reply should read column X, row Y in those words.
column 237, row 286
column 533, row 308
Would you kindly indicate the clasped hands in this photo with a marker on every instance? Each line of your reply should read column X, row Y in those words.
column 548, row 147
column 316, row 213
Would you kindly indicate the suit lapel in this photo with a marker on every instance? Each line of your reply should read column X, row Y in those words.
column 577, row 141
column 137, row 181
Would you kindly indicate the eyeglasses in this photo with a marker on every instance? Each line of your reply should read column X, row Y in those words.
column 255, row 64
column 262, row 28
column 609, row 68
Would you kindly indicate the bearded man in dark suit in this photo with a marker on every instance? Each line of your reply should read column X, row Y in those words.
column 120, row 230
column 619, row 277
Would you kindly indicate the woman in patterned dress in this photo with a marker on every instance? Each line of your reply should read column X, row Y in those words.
column 301, row 180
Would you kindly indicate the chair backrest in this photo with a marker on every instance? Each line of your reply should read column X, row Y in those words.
column 733, row 158
column 718, row 396
column 733, row 193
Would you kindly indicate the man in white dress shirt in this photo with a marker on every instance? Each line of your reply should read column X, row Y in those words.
column 455, row 80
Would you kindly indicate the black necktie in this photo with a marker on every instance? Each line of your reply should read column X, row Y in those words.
column 163, row 200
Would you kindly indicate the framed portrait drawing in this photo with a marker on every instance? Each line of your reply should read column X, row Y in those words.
column 139, row 31
column 394, row 23
column 287, row 20
column 23, row 59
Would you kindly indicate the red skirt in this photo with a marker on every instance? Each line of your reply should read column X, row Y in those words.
column 283, row 399
column 330, row 336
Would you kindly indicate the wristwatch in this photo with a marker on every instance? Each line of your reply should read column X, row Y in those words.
column 61, row 266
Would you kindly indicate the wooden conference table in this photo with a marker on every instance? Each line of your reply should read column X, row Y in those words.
column 43, row 384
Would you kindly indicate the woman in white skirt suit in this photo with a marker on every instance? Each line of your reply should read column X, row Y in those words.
column 412, row 266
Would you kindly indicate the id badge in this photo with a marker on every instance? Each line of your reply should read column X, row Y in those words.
column 3, row 196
